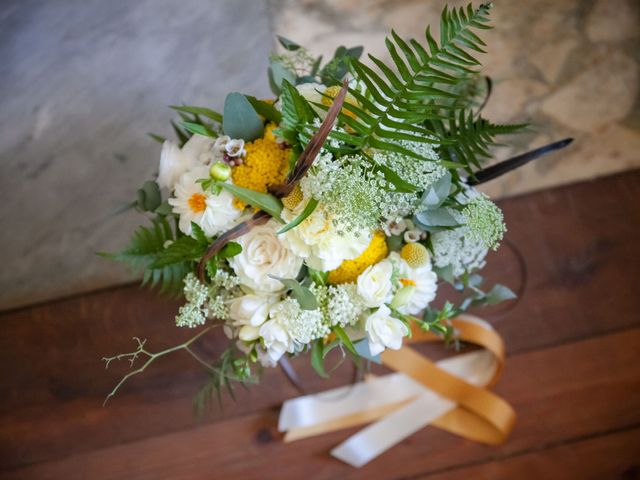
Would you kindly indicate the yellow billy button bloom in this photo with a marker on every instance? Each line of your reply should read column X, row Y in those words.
column 331, row 93
column 415, row 254
column 292, row 200
column 349, row 270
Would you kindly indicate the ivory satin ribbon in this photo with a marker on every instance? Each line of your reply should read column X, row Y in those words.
column 450, row 394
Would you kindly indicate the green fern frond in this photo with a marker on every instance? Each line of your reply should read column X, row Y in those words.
column 401, row 105
column 469, row 138
column 147, row 247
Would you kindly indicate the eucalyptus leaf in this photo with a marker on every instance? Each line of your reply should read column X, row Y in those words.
column 308, row 210
column 437, row 193
column 303, row 295
column 435, row 220
column 499, row 293
column 263, row 201
column 445, row 273
column 240, row 118
column 277, row 74
column 362, row 347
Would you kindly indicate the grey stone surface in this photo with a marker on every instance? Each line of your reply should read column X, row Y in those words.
column 81, row 82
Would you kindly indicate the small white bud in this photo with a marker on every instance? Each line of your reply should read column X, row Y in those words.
column 220, row 171
column 412, row 236
column 235, row 148
column 402, row 296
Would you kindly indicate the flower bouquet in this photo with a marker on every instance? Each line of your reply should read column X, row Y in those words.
column 327, row 216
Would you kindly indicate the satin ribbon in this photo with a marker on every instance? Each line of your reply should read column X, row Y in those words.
column 450, row 394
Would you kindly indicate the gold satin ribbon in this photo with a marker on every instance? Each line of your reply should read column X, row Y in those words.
column 481, row 415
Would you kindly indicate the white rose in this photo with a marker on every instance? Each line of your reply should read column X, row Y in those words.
column 384, row 331
column 249, row 310
column 374, row 284
column 317, row 240
column 199, row 149
column 263, row 254
column 276, row 340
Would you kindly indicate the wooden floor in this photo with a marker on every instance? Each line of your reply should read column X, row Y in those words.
column 572, row 374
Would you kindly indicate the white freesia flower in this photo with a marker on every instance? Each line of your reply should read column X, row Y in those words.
column 317, row 240
column 263, row 254
column 276, row 340
column 213, row 213
column 384, row 331
column 374, row 284
column 249, row 309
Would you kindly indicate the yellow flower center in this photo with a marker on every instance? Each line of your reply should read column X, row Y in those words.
column 197, row 203
column 407, row 282
column 349, row 270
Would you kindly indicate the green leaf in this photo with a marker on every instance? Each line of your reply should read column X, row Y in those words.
column 264, row 109
column 297, row 113
column 344, row 338
column 199, row 234
column 199, row 129
column 206, row 112
column 303, row 295
column 499, row 293
column 445, row 273
column 278, row 73
column 308, row 210
column 289, row 45
column 231, row 249
column 437, row 193
column 362, row 347
column 240, row 118
column 148, row 197
column 317, row 358
column 184, row 249
column 157, row 138
column 263, row 201
column 435, row 220
column 318, row 277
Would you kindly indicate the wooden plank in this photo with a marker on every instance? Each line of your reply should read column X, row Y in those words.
column 561, row 394
column 574, row 240
column 615, row 455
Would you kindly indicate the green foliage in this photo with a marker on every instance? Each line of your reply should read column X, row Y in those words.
column 302, row 294
column 297, row 113
column 423, row 101
column 344, row 338
column 146, row 248
column 240, row 118
column 333, row 72
column 317, row 358
column 199, row 129
column 263, row 201
column 231, row 367
column 308, row 210
column 265, row 110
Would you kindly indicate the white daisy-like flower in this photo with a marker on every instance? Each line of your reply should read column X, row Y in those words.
column 213, row 213
column 416, row 286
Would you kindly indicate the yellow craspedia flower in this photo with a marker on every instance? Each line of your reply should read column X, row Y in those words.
column 332, row 91
column 265, row 164
column 415, row 254
column 349, row 270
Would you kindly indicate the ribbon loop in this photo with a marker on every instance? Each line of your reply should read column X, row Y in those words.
column 450, row 394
